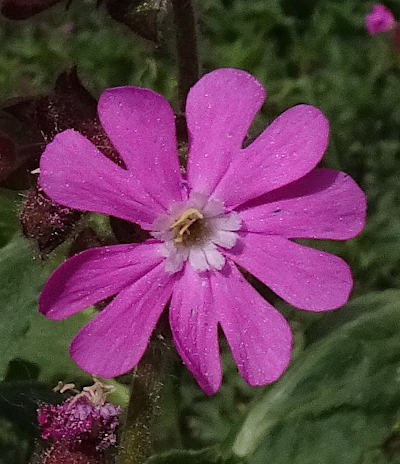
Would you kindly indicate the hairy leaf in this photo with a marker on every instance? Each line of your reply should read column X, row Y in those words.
column 340, row 398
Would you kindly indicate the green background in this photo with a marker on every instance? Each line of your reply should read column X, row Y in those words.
column 339, row 402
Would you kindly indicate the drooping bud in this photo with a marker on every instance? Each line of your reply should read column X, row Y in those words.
column 31, row 124
column 141, row 16
column 46, row 222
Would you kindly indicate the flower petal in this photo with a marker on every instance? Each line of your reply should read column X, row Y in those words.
column 259, row 336
column 94, row 275
column 306, row 278
column 198, row 259
column 224, row 238
column 288, row 149
column 141, row 125
column 74, row 173
column 219, row 111
column 115, row 340
column 324, row 204
column 214, row 257
column 195, row 329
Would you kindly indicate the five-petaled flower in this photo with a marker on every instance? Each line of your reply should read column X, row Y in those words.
column 234, row 206
column 380, row 19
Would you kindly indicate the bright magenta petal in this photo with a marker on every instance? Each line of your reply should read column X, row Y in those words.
column 306, row 278
column 141, row 126
column 115, row 340
column 219, row 111
column 94, row 275
column 324, row 204
column 259, row 336
column 74, row 173
column 195, row 328
column 287, row 150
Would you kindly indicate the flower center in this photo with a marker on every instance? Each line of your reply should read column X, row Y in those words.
column 189, row 227
column 196, row 230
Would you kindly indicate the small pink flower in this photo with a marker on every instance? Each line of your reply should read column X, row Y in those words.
column 234, row 205
column 380, row 19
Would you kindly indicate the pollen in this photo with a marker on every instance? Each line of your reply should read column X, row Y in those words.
column 183, row 225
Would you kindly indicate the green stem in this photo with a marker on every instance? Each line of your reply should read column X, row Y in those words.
column 186, row 45
column 135, row 446
column 136, row 440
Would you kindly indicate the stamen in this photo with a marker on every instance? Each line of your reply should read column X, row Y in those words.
column 183, row 223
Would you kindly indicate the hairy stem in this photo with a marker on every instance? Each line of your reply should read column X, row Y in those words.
column 186, row 45
column 135, row 446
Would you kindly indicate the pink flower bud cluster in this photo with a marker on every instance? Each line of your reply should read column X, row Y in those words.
column 78, row 421
column 85, row 422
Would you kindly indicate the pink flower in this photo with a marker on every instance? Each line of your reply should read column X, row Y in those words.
column 380, row 19
column 233, row 206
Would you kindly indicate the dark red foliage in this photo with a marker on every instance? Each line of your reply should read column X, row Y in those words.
column 20, row 148
column 46, row 222
column 23, row 9
column 32, row 123
column 73, row 107
column 141, row 16
column 7, row 156
column 69, row 106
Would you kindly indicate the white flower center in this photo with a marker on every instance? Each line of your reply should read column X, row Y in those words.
column 192, row 230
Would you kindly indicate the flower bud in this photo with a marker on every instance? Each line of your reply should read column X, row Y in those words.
column 81, row 428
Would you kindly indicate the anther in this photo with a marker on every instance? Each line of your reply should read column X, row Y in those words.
column 183, row 223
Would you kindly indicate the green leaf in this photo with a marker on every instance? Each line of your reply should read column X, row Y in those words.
column 46, row 344
column 340, row 398
column 14, row 446
column 19, row 402
column 18, row 418
column 21, row 278
column 25, row 333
